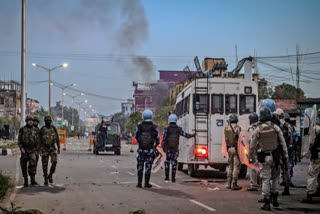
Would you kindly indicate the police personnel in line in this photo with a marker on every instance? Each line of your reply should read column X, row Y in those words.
column 253, row 174
column 232, row 133
column 28, row 141
column 148, row 139
column 264, row 145
column 49, row 148
column 170, row 145
column 314, row 166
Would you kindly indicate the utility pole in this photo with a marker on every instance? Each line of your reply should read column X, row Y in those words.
column 23, row 63
column 297, row 73
column 236, row 54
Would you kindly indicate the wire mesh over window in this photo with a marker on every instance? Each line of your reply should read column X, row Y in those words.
column 217, row 104
column 231, row 104
column 201, row 103
column 247, row 104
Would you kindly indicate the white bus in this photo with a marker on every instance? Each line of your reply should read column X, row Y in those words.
column 203, row 108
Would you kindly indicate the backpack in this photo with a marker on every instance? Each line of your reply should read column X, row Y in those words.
column 268, row 138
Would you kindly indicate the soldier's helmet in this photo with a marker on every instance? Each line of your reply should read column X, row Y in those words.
column 268, row 103
column 29, row 117
column 35, row 118
column 265, row 115
column 48, row 118
column 287, row 117
column 173, row 118
column 233, row 118
column 253, row 118
column 279, row 113
column 147, row 115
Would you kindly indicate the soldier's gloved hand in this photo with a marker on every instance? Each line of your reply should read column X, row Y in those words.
column 58, row 151
column 22, row 151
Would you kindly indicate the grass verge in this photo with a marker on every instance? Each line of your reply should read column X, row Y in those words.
column 4, row 184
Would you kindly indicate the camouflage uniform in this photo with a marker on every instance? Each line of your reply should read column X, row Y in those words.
column 269, row 161
column 148, row 139
column 38, row 130
column 233, row 160
column 254, row 175
column 28, row 140
column 170, row 145
column 48, row 148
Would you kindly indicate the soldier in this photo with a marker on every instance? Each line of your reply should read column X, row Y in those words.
column 170, row 145
column 35, row 124
column 232, row 133
column 253, row 121
column 28, row 142
column 291, row 149
column 287, row 134
column 265, row 142
column 148, row 139
column 314, row 166
column 49, row 147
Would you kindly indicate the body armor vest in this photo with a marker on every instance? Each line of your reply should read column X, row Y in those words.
column 48, row 137
column 146, row 135
column 173, row 133
column 268, row 138
column 230, row 137
column 29, row 137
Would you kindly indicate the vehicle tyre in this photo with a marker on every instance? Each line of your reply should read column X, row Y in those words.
column 180, row 166
column 117, row 152
column 243, row 171
column 191, row 170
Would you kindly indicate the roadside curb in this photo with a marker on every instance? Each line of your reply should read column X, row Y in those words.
column 9, row 152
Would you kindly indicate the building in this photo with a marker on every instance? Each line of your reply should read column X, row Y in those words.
column 127, row 107
column 32, row 105
column 290, row 106
column 10, row 93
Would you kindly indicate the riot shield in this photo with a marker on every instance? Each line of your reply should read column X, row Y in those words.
column 159, row 160
column 309, row 120
column 243, row 150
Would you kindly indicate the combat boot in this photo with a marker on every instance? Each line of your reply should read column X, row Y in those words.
column 33, row 180
column 166, row 179
column 274, row 197
column 139, row 185
column 234, row 185
column 46, row 180
column 266, row 206
column 307, row 199
column 147, row 180
column 286, row 191
column 26, row 183
column 229, row 180
column 173, row 177
column 50, row 178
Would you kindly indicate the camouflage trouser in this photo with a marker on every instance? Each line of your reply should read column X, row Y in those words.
column 28, row 162
column 269, row 173
column 254, row 176
column 145, row 158
column 234, row 164
column 45, row 160
column 313, row 176
column 172, row 157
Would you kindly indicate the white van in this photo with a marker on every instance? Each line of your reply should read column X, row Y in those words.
column 203, row 108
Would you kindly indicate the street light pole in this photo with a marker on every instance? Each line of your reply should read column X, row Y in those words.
column 23, row 63
column 73, row 97
column 64, row 65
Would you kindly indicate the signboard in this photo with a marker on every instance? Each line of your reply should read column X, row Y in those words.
column 197, row 63
column 59, row 122
column 72, row 128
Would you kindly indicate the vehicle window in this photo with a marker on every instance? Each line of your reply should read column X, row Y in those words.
column 201, row 103
column 247, row 104
column 231, row 104
column 217, row 104
column 186, row 105
column 113, row 129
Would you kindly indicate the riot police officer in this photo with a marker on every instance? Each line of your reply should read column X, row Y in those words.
column 253, row 121
column 232, row 133
column 49, row 148
column 28, row 142
column 170, row 145
column 314, row 166
column 148, row 139
column 264, row 145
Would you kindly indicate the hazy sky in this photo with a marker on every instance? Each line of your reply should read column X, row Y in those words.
column 98, row 39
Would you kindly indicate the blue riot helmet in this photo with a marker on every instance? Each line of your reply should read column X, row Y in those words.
column 172, row 118
column 268, row 103
column 147, row 115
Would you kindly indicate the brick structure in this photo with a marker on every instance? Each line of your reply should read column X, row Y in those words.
column 10, row 93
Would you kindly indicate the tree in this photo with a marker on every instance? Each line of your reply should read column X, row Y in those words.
column 121, row 119
column 161, row 116
column 287, row 91
column 265, row 92
column 134, row 119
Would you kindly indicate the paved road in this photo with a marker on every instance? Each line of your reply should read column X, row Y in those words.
column 86, row 183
